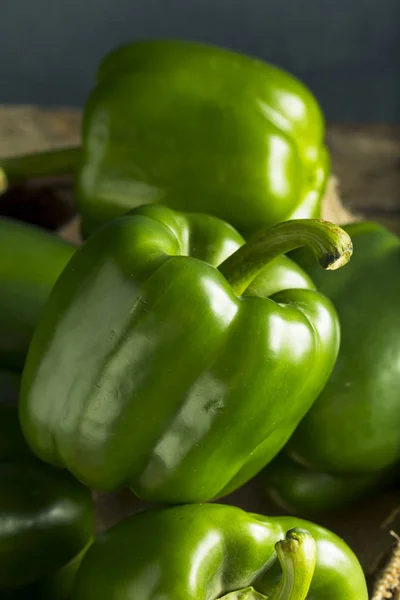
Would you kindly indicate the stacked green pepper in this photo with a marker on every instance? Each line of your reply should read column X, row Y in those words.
column 143, row 333
column 212, row 551
column 46, row 517
column 196, row 128
column 348, row 445
column 30, row 262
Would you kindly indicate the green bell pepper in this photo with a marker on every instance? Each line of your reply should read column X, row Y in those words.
column 351, row 434
column 196, row 128
column 149, row 364
column 31, row 261
column 203, row 552
column 303, row 491
column 46, row 519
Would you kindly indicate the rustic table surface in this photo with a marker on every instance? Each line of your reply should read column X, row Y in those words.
column 366, row 167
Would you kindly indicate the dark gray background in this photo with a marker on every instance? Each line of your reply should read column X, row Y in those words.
column 347, row 51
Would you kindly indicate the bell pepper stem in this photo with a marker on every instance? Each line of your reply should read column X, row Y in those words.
column 331, row 245
column 297, row 555
column 52, row 163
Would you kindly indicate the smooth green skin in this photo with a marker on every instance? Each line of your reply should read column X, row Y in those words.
column 58, row 585
column 146, row 368
column 203, row 129
column 350, row 439
column 202, row 552
column 305, row 492
column 46, row 517
column 31, row 259
column 353, row 426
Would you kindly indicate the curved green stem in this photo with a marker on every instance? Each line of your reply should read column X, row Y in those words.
column 297, row 555
column 330, row 244
column 41, row 164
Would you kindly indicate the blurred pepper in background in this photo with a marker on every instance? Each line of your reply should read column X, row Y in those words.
column 197, row 128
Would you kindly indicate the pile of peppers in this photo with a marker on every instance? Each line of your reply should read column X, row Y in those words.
column 207, row 331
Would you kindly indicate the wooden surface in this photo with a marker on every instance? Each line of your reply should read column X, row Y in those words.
column 366, row 167
column 26, row 129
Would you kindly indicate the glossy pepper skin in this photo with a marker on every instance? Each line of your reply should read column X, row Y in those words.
column 203, row 129
column 305, row 492
column 203, row 552
column 31, row 259
column 351, row 432
column 46, row 520
column 197, row 128
column 149, row 365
